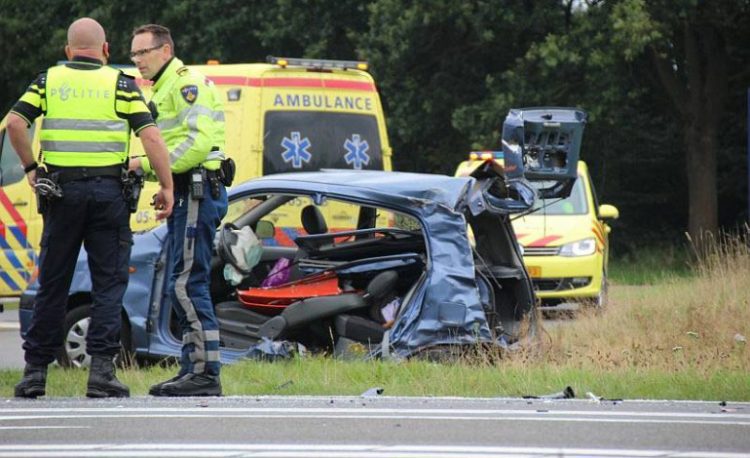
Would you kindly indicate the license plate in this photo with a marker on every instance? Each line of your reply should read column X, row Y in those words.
column 534, row 271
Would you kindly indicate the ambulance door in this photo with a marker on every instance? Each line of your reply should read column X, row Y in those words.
column 20, row 225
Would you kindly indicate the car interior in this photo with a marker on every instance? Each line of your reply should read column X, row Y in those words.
column 346, row 280
column 332, row 269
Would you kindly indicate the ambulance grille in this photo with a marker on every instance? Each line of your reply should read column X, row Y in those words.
column 541, row 251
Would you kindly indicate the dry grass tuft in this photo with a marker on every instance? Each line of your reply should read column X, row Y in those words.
column 700, row 323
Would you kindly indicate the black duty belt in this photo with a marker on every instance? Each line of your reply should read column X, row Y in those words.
column 182, row 180
column 66, row 174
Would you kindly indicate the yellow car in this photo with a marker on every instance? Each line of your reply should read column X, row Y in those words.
column 566, row 246
column 565, row 241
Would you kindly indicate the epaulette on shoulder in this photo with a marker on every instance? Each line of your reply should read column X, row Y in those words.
column 41, row 78
column 125, row 81
column 182, row 71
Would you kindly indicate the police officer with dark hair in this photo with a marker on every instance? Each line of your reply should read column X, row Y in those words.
column 89, row 111
column 190, row 115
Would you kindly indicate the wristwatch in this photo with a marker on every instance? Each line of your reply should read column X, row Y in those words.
column 30, row 167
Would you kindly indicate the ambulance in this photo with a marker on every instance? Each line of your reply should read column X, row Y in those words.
column 564, row 234
column 285, row 115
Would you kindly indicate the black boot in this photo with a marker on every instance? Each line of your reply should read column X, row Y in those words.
column 33, row 382
column 156, row 389
column 102, row 380
column 193, row 385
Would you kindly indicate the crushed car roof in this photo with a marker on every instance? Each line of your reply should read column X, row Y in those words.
column 367, row 184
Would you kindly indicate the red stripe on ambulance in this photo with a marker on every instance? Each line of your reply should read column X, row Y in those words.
column 283, row 82
column 17, row 218
column 544, row 241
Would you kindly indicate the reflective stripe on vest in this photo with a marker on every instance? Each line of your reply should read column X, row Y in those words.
column 81, row 127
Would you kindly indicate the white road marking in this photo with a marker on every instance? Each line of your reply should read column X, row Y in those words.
column 515, row 415
column 334, row 451
column 540, row 418
column 228, row 411
column 43, row 427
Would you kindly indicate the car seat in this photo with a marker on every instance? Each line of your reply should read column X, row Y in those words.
column 303, row 312
column 313, row 221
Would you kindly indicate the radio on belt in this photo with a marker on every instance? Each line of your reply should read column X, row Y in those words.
column 196, row 184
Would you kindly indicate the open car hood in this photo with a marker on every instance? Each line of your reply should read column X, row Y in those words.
column 550, row 140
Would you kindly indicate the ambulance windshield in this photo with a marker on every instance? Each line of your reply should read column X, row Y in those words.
column 296, row 141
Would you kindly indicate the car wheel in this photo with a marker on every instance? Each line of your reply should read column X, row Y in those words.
column 76, row 327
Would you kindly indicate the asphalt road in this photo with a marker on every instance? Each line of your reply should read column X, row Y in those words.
column 371, row 427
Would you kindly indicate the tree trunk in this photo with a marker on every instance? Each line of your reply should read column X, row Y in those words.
column 696, row 82
column 701, row 152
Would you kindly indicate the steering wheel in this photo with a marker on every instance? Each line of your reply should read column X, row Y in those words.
column 227, row 239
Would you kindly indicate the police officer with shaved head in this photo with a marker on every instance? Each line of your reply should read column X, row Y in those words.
column 89, row 112
column 189, row 111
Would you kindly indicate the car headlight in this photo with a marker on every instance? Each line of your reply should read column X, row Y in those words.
column 583, row 247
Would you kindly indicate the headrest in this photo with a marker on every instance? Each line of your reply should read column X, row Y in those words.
column 383, row 286
column 313, row 221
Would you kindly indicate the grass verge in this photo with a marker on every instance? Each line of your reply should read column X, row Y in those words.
column 322, row 376
column 648, row 266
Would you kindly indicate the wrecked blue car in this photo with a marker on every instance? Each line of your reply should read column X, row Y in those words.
column 400, row 263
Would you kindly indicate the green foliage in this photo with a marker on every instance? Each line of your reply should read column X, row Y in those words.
column 433, row 58
column 633, row 29
column 33, row 39
column 635, row 143
column 312, row 28
column 449, row 71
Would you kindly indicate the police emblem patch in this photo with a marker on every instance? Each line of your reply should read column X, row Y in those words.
column 189, row 93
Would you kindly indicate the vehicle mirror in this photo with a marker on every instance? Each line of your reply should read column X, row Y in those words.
column 265, row 229
column 607, row 211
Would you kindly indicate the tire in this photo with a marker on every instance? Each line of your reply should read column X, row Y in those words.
column 73, row 352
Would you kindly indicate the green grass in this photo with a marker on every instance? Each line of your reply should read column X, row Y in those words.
column 650, row 265
column 324, row 376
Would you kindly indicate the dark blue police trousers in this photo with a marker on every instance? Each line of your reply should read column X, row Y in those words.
column 94, row 213
column 192, row 229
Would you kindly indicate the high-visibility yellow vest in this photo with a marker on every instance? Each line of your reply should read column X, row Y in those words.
column 81, row 127
column 190, row 118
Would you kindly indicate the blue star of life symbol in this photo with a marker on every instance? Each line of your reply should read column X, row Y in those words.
column 356, row 152
column 296, row 150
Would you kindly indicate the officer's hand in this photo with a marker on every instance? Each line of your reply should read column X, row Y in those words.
column 134, row 164
column 31, row 178
column 163, row 203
